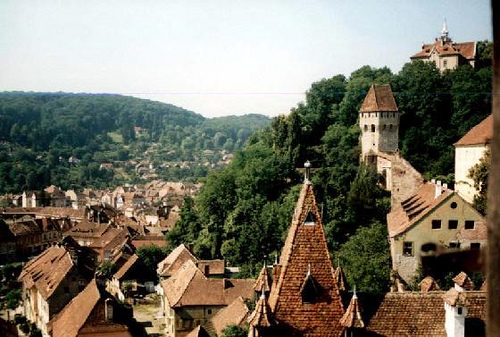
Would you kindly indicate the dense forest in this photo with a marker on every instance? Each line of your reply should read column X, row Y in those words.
column 62, row 139
column 243, row 211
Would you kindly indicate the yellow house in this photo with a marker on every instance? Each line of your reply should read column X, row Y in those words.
column 434, row 217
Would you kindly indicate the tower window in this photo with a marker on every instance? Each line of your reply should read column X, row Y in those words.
column 384, row 127
column 373, row 127
column 475, row 245
column 366, row 127
column 390, row 126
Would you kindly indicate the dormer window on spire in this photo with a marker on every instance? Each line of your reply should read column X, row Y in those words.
column 310, row 289
column 310, row 219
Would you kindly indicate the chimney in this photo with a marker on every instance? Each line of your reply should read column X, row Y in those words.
column 455, row 312
column 438, row 189
column 445, row 186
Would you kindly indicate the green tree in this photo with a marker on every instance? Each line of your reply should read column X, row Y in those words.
column 150, row 256
column 366, row 259
column 479, row 175
column 234, row 331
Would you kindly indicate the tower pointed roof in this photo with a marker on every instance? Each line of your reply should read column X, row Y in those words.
column 305, row 257
column 379, row 99
column 263, row 281
column 352, row 316
column 339, row 277
column 261, row 316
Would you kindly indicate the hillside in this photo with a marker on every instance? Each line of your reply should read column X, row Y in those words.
column 63, row 139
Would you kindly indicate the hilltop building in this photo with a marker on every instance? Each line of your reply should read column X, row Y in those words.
column 447, row 54
column 468, row 152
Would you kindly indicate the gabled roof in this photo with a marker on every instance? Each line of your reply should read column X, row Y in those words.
column 339, row 277
column 199, row 331
column 428, row 284
column 305, row 250
column 352, row 316
column 47, row 270
column 126, row 266
column 466, row 49
column 421, row 314
column 235, row 313
column 28, row 227
column 464, row 281
column 84, row 310
column 416, row 207
column 175, row 260
column 479, row 135
column 190, row 287
column 379, row 99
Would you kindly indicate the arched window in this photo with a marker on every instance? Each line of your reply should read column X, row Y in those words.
column 373, row 127
column 390, row 126
column 366, row 127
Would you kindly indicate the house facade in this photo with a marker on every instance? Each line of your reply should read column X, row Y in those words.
column 434, row 218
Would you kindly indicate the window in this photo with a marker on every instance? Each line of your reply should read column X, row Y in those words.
column 475, row 246
column 445, row 64
column 408, row 248
column 390, row 126
column 310, row 221
column 209, row 311
column 207, row 270
column 453, row 205
column 373, row 127
column 366, row 127
column 452, row 224
column 454, row 244
column 469, row 224
column 384, row 127
column 436, row 224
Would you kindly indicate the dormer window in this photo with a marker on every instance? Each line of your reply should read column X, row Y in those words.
column 310, row 289
column 310, row 220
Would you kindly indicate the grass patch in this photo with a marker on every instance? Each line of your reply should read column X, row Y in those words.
column 116, row 137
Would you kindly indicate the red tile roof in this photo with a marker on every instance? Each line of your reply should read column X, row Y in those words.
column 379, row 99
column 199, row 331
column 466, row 49
column 428, row 284
column 213, row 267
column 340, row 279
column 420, row 314
column 262, row 316
column 464, row 281
column 415, row 208
column 479, row 135
column 175, row 260
column 263, row 281
column 80, row 317
column 352, row 316
column 235, row 313
column 305, row 250
column 47, row 270
column 125, row 268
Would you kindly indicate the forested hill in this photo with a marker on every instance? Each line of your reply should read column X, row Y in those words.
column 62, row 139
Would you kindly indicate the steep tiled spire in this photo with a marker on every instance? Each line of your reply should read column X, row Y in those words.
column 263, row 282
column 305, row 260
column 463, row 282
column 339, row 277
column 352, row 317
column 260, row 318
column 428, row 284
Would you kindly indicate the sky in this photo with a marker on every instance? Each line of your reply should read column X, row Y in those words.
column 217, row 57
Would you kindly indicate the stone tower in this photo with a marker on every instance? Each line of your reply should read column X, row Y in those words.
column 379, row 122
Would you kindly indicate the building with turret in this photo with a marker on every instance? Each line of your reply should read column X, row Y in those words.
column 447, row 54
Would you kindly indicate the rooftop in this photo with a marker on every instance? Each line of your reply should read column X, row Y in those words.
column 379, row 98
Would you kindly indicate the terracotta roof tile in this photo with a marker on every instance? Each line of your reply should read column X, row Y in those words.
column 28, row 227
column 479, row 134
column 176, row 285
column 125, row 268
column 379, row 98
column 47, row 270
column 234, row 314
column 263, row 281
column 466, row 49
column 352, row 316
column 415, row 208
column 199, row 331
column 464, row 281
column 428, row 284
column 340, row 280
column 305, row 249
column 175, row 260
column 262, row 316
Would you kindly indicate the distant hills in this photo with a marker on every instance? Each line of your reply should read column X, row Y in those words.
column 63, row 139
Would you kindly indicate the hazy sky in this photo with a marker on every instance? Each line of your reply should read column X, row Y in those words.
column 217, row 57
